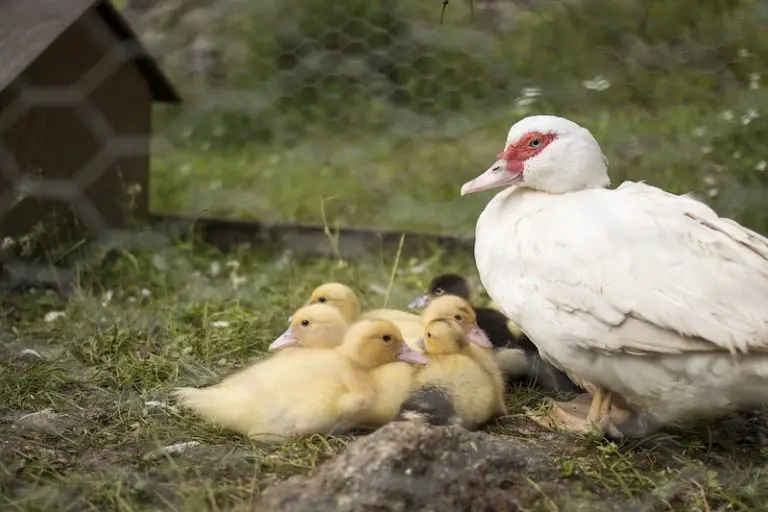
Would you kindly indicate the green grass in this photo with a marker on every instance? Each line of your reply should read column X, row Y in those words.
column 109, row 364
column 412, row 181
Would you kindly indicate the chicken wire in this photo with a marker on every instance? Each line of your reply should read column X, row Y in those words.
column 371, row 115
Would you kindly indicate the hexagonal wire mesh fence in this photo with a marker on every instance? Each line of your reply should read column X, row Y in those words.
column 353, row 114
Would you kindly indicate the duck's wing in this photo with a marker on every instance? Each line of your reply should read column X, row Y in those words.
column 644, row 271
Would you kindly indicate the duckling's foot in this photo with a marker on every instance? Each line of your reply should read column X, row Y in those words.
column 575, row 416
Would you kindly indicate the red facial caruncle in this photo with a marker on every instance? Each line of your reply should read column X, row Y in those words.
column 527, row 146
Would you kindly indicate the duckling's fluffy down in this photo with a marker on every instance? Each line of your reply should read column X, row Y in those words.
column 301, row 394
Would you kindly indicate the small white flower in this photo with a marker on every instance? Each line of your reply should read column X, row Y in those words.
column 237, row 280
column 699, row 132
column 220, row 324
column 215, row 185
column 233, row 264
column 712, row 192
column 525, row 102
column 737, row 154
column 145, row 292
column 8, row 242
column 598, row 83
column 107, row 297
column 727, row 115
column 215, row 268
column 530, row 92
column 754, row 81
column 749, row 116
column 743, row 53
column 761, row 166
column 52, row 316
column 706, row 150
column 710, row 180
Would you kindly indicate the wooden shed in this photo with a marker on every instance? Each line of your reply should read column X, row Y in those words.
column 76, row 96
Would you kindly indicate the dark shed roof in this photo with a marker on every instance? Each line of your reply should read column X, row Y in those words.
column 28, row 27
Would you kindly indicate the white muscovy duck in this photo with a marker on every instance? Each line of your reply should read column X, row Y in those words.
column 650, row 300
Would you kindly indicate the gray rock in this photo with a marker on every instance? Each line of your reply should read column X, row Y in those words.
column 412, row 465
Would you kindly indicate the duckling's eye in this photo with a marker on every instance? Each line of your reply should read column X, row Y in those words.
column 535, row 142
column 304, row 323
column 321, row 299
column 457, row 317
column 429, row 335
column 387, row 338
column 439, row 291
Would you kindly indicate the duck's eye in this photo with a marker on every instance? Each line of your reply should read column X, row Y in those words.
column 535, row 142
column 439, row 291
column 304, row 323
column 457, row 317
column 429, row 335
column 387, row 338
column 321, row 299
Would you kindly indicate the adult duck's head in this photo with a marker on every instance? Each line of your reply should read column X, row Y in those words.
column 546, row 153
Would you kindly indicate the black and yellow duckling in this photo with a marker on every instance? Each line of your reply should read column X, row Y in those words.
column 451, row 368
column 480, row 349
column 304, row 391
column 507, row 338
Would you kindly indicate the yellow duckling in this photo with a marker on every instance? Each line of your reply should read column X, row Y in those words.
column 317, row 326
column 480, row 349
column 307, row 391
column 313, row 326
column 452, row 369
column 343, row 298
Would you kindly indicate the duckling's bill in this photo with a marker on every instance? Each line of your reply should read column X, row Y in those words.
column 478, row 336
column 409, row 355
column 420, row 302
column 286, row 339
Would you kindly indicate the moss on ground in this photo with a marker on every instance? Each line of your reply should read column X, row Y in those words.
column 88, row 427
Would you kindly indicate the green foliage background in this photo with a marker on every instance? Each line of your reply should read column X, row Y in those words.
column 386, row 110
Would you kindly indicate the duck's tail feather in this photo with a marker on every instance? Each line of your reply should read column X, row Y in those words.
column 430, row 403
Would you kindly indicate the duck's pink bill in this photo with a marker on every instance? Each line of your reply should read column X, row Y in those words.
column 478, row 337
column 409, row 355
column 286, row 339
column 501, row 174
column 420, row 302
